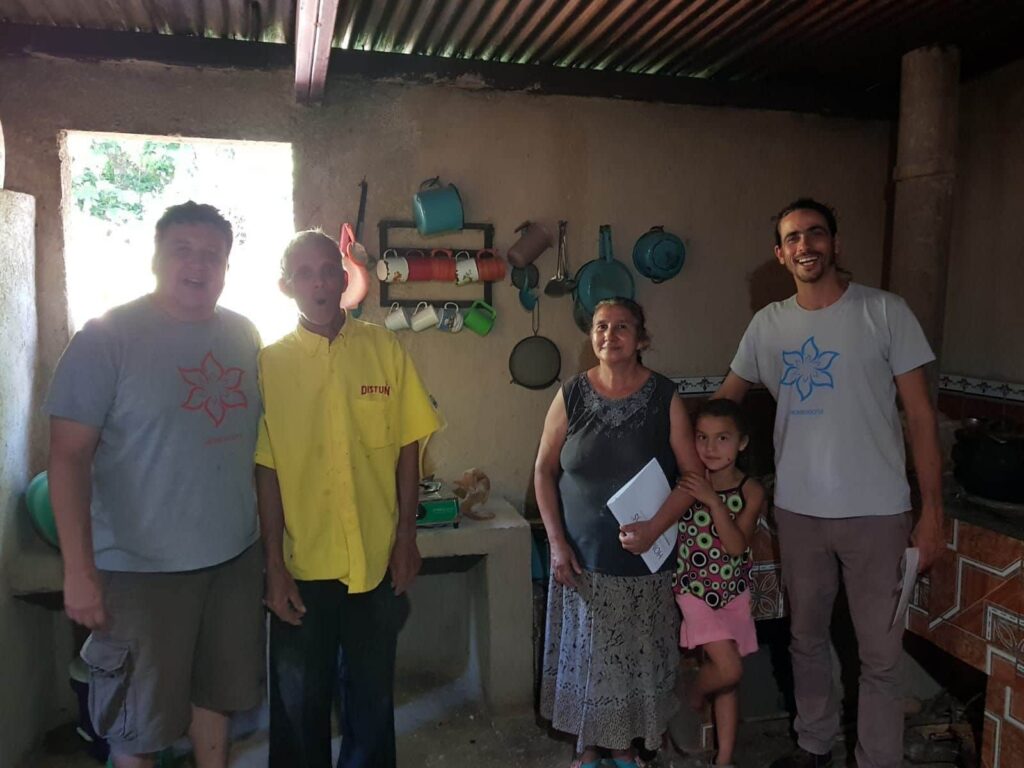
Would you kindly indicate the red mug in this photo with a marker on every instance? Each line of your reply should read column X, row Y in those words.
column 491, row 270
column 420, row 268
column 444, row 270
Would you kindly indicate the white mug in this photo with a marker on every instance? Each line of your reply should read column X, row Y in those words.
column 423, row 317
column 466, row 269
column 392, row 269
column 397, row 318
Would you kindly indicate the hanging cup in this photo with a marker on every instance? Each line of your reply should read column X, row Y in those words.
column 466, row 269
column 424, row 316
column 398, row 318
column 480, row 318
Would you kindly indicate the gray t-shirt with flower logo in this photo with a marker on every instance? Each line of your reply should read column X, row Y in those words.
column 838, row 440
column 177, row 406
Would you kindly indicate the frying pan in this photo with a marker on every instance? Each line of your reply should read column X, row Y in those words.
column 525, row 277
column 604, row 277
column 581, row 317
column 535, row 362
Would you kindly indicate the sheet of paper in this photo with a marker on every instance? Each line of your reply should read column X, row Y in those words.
column 908, row 577
column 640, row 499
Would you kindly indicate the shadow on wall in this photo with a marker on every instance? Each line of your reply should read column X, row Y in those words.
column 769, row 282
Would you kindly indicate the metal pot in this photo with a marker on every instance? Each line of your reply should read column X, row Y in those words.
column 989, row 461
column 658, row 255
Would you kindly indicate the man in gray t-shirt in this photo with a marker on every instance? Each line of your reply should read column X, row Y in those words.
column 154, row 409
column 835, row 356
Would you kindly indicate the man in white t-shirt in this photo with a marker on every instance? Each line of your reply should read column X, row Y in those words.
column 835, row 356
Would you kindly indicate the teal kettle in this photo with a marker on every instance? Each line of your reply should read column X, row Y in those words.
column 437, row 208
column 658, row 255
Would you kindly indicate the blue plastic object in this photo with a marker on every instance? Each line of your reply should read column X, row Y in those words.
column 37, row 499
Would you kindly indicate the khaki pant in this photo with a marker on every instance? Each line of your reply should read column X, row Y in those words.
column 175, row 640
column 868, row 551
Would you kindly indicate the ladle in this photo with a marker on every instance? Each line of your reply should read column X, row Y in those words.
column 561, row 284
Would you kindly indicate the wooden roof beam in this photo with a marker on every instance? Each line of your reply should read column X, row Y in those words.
column 314, row 32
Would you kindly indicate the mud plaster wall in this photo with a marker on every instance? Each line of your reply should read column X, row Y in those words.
column 984, row 321
column 714, row 176
column 27, row 657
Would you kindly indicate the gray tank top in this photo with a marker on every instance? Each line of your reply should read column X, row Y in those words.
column 607, row 442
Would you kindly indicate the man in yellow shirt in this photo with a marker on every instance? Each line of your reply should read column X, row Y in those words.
column 337, row 480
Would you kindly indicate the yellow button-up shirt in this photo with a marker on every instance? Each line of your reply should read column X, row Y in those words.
column 336, row 415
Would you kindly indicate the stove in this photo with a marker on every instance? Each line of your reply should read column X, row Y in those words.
column 438, row 506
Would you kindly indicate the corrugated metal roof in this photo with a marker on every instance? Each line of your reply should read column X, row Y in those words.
column 270, row 21
column 855, row 42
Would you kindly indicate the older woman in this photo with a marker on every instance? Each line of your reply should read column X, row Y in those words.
column 611, row 651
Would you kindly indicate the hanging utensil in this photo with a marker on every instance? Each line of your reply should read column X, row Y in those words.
column 561, row 284
column 358, row 278
column 527, row 298
column 535, row 362
column 604, row 277
column 525, row 277
column 357, row 251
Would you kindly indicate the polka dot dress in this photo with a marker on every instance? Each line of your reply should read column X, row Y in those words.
column 704, row 568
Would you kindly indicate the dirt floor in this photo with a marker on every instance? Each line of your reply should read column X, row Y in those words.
column 463, row 738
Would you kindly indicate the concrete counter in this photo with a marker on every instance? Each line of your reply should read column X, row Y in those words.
column 34, row 570
column 495, row 556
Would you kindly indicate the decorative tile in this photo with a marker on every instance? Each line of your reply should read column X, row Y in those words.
column 941, row 594
column 1004, row 631
column 988, row 550
column 970, row 619
column 1013, row 708
column 1007, row 596
column 969, row 385
column 766, row 595
column 948, row 382
column 989, row 740
column 963, row 645
column 1011, row 748
column 697, row 385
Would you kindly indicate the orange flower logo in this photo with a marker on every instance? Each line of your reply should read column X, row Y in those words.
column 215, row 389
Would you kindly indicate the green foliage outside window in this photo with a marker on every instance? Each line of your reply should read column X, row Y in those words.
column 116, row 185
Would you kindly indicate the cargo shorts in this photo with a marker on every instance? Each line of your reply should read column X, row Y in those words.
column 174, row 640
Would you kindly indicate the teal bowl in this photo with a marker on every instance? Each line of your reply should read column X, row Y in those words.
column 37, row 498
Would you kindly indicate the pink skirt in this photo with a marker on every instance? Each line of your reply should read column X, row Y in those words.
column 703, row 624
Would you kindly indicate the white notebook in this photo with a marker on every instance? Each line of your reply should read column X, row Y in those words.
column 905, row 588
column 640, row 499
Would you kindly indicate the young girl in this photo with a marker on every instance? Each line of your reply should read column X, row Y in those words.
column 712, row 577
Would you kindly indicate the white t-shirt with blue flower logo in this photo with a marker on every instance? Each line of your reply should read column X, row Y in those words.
column 838, row 440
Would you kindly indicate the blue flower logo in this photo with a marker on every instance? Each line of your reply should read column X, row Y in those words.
column 807, row 369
